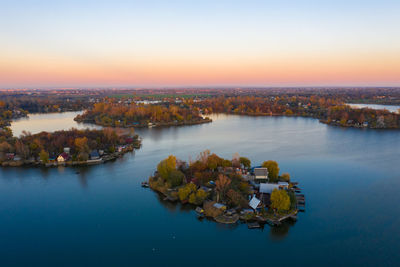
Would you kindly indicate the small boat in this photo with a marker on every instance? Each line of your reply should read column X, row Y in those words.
column 145, row 184
column 199, row 212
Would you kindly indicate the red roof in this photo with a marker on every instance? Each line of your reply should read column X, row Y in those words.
column 65, row 155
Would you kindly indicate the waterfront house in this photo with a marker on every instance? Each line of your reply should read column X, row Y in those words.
column 10, row 156
column 254, row 202
column 63, row 157
column 94, row 154
column 267, row 188
column 260, row 173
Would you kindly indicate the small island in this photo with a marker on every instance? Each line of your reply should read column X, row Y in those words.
column 66, row 148
column 140, row 115
column 227, row 191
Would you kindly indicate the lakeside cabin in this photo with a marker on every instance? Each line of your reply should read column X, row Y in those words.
column 260, row 174
column 63, row 157
column 94, row 155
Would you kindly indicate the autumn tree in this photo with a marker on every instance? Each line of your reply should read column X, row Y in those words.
column 213, row 161
column 203, row 156
column 273, row 169
column 44, row 156
column 21, row 149
column 5, row 147
column 166, row 166
column 280, row 200
column 235, row 198
column 226, row 163
column 222, row 184
column 236, row 160
column 184, row 192
column 175, row 178
column 245, row 162
column 285, row 177
column 81, row 144
column 197, row 197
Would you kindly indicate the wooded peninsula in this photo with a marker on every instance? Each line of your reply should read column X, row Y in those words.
column 71, row 147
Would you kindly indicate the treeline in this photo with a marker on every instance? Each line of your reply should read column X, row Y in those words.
column 275, row 105
column 45, row 104
column 139, row 115
column 331, row 111
column 77, row 144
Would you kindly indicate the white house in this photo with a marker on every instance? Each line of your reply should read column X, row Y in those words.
column 254, row 202
column 260, row 173
column 268, row 188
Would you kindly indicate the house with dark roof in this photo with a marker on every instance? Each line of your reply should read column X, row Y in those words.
column 94, row 154
column 63, row 157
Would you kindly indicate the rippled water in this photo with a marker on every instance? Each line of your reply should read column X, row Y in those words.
column 102, row 216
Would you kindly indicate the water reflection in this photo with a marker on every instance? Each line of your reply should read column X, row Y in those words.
column 49, row 122
column 278, row 233
column 83, row 175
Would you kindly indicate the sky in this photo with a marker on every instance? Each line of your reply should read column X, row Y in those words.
column 115, row 43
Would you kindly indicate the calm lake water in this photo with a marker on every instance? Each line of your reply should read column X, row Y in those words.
column 102, row 216
column 391, row 108
column 50, row 122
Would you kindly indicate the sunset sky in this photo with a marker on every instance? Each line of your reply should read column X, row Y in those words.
column 199, row 43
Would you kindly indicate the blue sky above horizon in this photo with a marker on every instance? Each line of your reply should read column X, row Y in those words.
column 199, row 43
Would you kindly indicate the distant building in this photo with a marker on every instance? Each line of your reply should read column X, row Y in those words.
column 67, row 150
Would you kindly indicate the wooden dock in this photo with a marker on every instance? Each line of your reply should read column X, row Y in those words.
column 253, row 225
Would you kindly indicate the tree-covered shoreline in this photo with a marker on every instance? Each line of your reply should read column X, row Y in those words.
column 70, row 147
column 140, row 115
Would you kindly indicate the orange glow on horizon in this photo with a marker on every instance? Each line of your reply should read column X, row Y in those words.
column 304, row 69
